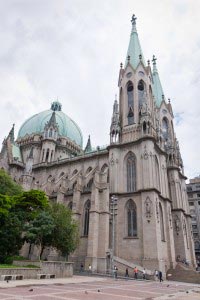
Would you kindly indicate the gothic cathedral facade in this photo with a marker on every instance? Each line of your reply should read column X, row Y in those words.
column 129, row 198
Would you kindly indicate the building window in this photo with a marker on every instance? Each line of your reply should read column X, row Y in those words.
column 198, row 195
column 141, row 93
column 191, row 203
column 131, row 173
column 157, row 173
column 130, row 103
column 199, row 202
column 162, row 230
column 131, row 218
column 190, row 196
column 86, row 217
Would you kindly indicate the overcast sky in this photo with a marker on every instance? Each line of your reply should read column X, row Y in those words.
column 71, row 50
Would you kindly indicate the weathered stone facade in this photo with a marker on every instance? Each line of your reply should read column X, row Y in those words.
column 142, row 168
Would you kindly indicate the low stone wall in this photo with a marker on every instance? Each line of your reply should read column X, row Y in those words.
column 60, row 269
column 24, row 263
column 26, row 272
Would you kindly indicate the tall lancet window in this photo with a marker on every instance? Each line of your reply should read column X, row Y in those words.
column 131, row 218
column 165, row 129
column 162, row 229
column 130, row 103
column 141, row 94
column 131, row 173
column 86, row 218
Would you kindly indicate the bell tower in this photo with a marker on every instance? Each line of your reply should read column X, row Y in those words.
column 136, row 105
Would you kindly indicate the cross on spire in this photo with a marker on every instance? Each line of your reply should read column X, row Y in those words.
column 154, row 60
column 133, row 20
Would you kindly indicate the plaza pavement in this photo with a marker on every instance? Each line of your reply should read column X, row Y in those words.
column 97, row 288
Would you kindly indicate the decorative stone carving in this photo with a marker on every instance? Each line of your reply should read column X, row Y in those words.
column 157, row 210
column 148, row 208
column 177, row 224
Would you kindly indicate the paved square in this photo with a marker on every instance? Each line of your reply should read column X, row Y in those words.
column 100, row 289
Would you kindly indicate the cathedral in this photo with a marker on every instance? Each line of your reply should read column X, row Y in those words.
column 129, row 198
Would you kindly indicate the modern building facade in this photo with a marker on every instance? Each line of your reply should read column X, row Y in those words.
column 141, row 167
column 193, row 191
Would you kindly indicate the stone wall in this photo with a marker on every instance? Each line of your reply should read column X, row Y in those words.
column 60, row 269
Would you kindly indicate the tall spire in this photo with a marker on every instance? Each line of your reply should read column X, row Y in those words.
column 11, row 134
column 134, row 54
column 88, row 147
column 157, row 87
column 52, row 120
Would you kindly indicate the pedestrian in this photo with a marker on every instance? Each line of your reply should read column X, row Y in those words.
column 89, row 269
column 135, row 273
column 115, row 272
column 160, row 276
column 81, row 267
column 144, row 274
column 126, row 273
column 156, row 275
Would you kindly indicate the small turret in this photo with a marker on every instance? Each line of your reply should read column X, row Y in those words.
column 115, row 123
column 11, row 134
column 157, row 87
column 88, row 147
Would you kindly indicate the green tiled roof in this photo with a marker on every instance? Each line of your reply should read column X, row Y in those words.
column 67, row 127
column 134, row 48
column 16, row 152
column 157, row 87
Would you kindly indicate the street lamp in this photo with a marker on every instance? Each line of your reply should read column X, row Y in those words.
column 113, row 203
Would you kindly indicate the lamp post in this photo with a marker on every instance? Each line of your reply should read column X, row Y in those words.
column 113, row 203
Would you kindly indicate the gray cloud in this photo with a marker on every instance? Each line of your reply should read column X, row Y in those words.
column 71, row 50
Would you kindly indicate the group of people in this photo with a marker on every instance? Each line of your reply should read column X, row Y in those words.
column 157, row 274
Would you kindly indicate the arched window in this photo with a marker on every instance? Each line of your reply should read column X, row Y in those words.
column 47, row 155
column 51, row 132
column 131, row 173
column 141, row 93
column 70, row 205
column 130, row 103
column 162, row 230
column 86, row 218
column 131, row 218
column 88, row 170
column 165, row 129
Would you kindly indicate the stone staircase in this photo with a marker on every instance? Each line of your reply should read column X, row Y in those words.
column 184, row 274
column 122, row 264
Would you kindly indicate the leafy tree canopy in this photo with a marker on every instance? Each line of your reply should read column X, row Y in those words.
column 7, row 185
column 65, row 237
column 31, row 203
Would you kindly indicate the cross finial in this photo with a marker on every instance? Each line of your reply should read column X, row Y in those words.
column 133, row 20
column 154, row 60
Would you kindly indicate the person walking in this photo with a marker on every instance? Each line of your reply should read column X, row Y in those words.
column 156, row 275
column 115, row 272
column 90, row 269
column 126, row 273
column 144, row 274
column 135, row 273
column 160, row 276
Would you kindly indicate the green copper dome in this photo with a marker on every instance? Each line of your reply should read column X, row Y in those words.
column 66, row 126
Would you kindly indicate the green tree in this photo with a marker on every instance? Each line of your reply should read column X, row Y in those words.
column 39, row 231
column 11, row 239
column 31, row 203
column 8, row 186
column 65, row 235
